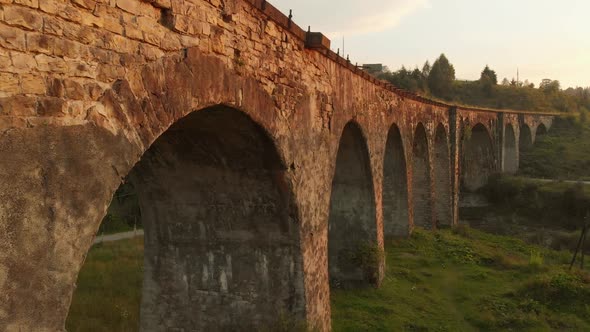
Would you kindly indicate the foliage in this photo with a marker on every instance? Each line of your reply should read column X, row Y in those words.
column 439, row 81
column 368, row 256
column 442, row 75
column 563, row 152
column 112, row 224
column 488, row 76
column 541, row 204
column 123, row 213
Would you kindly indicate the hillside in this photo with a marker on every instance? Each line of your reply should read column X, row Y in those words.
column 562, row 153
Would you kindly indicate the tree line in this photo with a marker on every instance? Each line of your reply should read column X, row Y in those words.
column 438, row 80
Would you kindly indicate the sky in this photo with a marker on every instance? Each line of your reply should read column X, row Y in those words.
column 540, row 38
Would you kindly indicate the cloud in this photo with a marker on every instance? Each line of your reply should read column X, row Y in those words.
column 336, row 18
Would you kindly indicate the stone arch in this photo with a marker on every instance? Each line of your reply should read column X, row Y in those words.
column 395, row 186
column 352, row 221
column 222, row 243
column 540, row 131
column 510, row 155
column 478, row 158
column 421, row 187
column 442, row 178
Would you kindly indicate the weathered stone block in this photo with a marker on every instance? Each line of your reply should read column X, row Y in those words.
column 12, row 38
column 70, row 13
column 29, row 3
column 74, row 90
column 18, row 106
column 5, row 61
column 82, row 69
column 51, row 7
column 9, row 84
column 40, row 43
column 51, row 64
column 53, row 26
column 64, row 47
column 51, row 106
column 86, row 4
column 24, row 18
column 33, row 84
column 22, row 62
column 132, row 6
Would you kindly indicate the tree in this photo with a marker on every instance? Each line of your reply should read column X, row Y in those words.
column 441, row 77
column 549, row 86
column 426, row 69
column 505, row 81
column 488, row 76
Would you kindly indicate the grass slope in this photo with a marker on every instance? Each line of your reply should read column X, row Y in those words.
column 464, row 280
column 469, row 282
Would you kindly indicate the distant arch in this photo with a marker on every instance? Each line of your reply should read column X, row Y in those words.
column 395, row 186
column 478, row 158
column 442, row 178
column 352, row 221
column 421, row 188
column 510, row 155
column 541, row 131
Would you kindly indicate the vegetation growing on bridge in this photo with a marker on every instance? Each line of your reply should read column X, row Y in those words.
column 447, row 281
column 439, row 81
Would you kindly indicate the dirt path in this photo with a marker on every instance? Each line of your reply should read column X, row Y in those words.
column 118, row 236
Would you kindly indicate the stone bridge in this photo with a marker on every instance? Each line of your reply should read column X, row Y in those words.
column 261, row 158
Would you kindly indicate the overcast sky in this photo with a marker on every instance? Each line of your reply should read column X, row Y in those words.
column 542, row 38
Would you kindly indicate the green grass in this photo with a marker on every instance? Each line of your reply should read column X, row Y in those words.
column 108, row 291
column 469, row 282
column 452, row 280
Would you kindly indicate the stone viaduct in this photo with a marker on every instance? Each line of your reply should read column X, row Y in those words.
column 261, row 158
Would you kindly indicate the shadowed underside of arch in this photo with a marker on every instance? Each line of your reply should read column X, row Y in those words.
column 352, row 222
column 395, row 187
column 510, row 157
column 442, row 178
column 422, row 197
column 525, row 139
column 541, row 130
column 221, row 246
column 478, row 159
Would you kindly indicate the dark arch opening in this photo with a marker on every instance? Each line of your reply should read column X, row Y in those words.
column 352, row 222
column 510, row 151
column 478, row 158
column 421, row 189
column 221, row 248
column 525, row 140
column 541, row 131
column 395, row 187
column 442, row 178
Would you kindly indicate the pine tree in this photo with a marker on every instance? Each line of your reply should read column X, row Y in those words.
column 441, row 77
